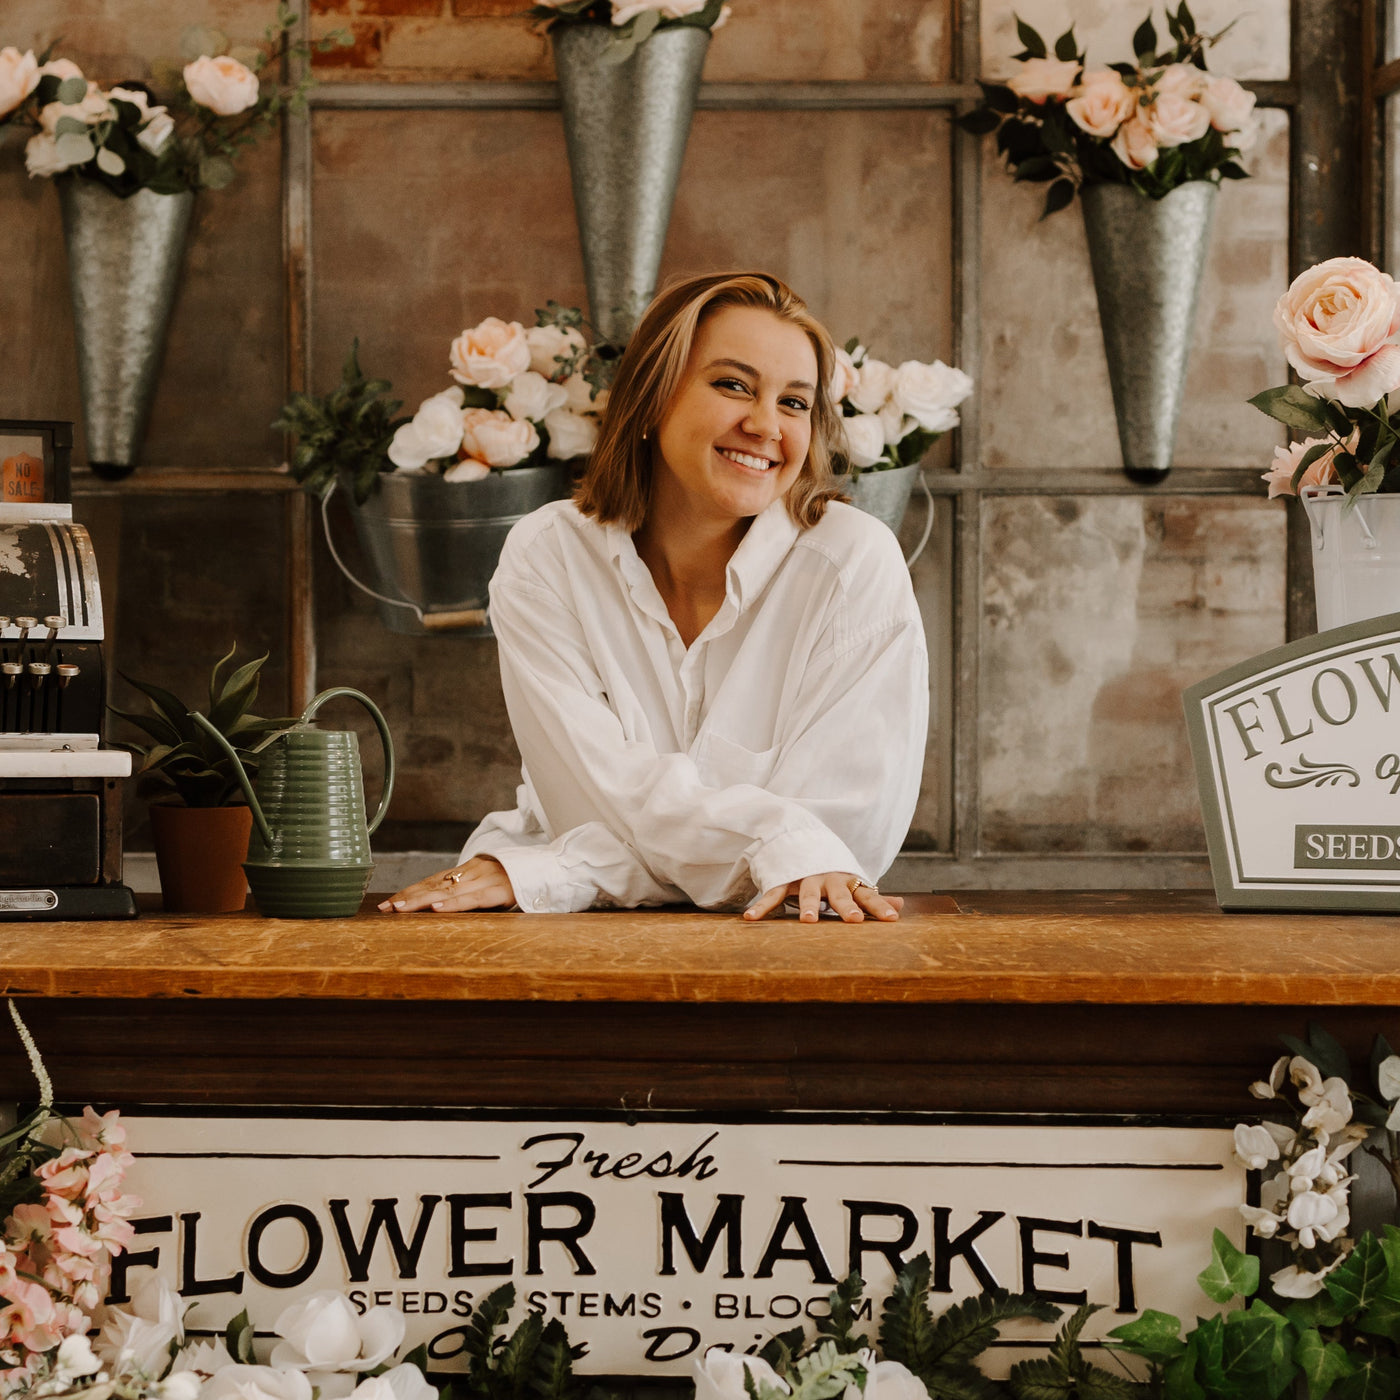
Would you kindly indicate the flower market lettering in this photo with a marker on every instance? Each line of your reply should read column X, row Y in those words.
column 653, row 1240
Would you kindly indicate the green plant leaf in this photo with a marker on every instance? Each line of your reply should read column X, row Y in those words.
column 1313, row 453
column 843, row 1302
column 1154, row 1335
column 1059, row 196
column 1033, row 43
column 1372, row 1378
column 1358, row 1282
column 238, row 1338
column 1145, row 39
column 1231, row 1273
column 1289, row 404
column 1179, row 1379
column 1065, row 47
column 1322, row 1362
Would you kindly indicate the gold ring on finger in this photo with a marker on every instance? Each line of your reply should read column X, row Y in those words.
column 452, row 877
column 856, row 883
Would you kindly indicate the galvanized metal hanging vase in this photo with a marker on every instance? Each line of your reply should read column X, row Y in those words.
column 626, row 126
column 124, row 259
column 1147, row 256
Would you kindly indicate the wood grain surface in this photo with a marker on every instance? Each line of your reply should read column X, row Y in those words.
column 1104, row 949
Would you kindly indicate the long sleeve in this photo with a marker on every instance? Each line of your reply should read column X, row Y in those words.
column 823, row 803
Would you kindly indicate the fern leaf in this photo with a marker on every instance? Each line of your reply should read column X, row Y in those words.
column 906, row 1324
column 843, row 1301
column 968, row 1328
column 963, row 1382
column 552, row 1375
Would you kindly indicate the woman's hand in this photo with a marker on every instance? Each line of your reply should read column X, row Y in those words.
column 482, row 883
column 847, row 894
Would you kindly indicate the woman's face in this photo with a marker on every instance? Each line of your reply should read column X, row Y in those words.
column 735, row 435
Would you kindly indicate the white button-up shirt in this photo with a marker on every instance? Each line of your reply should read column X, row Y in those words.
column 785, row 741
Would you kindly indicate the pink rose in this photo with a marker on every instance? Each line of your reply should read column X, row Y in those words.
column 1102, row 103
column 19, row 72
column 490, row 355
column 223, row 84
column 492, row 436
column 1285, row 463
column 1040, row 78
column 1230, row 106
column 1134, row 144
column 1182, row 80
column 1339, row 324
column 1174, row 119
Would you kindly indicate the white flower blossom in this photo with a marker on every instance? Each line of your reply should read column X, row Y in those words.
column 1268, row 1088
column 1255, row 1147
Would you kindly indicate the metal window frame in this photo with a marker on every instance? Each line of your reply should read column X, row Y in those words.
column 1324, row 51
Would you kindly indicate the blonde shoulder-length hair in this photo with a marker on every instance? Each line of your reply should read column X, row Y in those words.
column 616, row 486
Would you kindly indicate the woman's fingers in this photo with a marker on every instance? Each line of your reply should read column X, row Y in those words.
column 768, row 901
column 877, row 905
column 841, row 898
column 480, row 883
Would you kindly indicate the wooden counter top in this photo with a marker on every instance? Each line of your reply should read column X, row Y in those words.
column 1107, row 949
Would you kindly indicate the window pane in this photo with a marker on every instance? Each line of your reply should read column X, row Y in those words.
column 1096, row 613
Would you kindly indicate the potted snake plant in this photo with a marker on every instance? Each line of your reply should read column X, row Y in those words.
column 199, row 821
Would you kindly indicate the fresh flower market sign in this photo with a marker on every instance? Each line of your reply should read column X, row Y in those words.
column 1297, row 757
column 654, row 1240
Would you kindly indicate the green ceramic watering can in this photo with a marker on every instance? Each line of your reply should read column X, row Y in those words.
column 309, row 857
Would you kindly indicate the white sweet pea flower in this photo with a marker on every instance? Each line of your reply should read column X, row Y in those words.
column 1268, row 1088
column 1302, row 1172
column 1255, row 1147
column 1331, row 1110
column 1310, row 1214
column 1388, row 1077
column 1264, row 1223
column 532, row 396
column 1306, row 1079
column 865, row 439
column 719, row 1375
column 239, row 1382
column 1281, row 1134
column 1294, row 1282
column 323, row 1332
column 570, row 434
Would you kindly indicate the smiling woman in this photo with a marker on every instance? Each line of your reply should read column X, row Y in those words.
column 688, row 646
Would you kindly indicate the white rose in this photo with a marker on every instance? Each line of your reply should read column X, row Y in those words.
column 873, row 387
column 930, row 393
column 719, row 1375
column 324, row 1332
column 1230, row 106
column 531, row 395
column 1174, row 119
column 61, row 68
column 1182, row 80
column 92, row 109
column 895, row 424
column 570, row 434
column 240, row 1382
column 490, row 354
column 436, row 431
column 19, row 73
column 578, row 396
column 223, row 84
column 496, row 438
column 1041, row 78
column 865, row 439
column 468, row 469
column 844, row 376
column 890, row 1380
column 156, row 132
column 550, row 344
column 42, row 156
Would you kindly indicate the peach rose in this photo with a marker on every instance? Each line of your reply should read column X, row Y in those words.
column 19, row 73
column 1174, row 119
column 1285, row 463
column 1040, row 78
column 844, row 376
column 1182, row 80
column 1339, row 323
column 1102, row 103
column 1134, row 144
column 1230, row 106
column 224, row 85
column 494, row 437
column 490, row 355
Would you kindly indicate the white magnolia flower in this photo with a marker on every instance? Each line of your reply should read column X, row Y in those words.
column 323, row 1332
column 1255, row 1147
column 239, row 1382
column 865, row 439
column 397, row 1383
column 719, row 1375
column 570, row 434
column 1268, row 1088
column 530, row 395
column 435, row 432
column 139, row 1340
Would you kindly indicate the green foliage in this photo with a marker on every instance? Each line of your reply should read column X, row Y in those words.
column 534, row 1362
column 625, row 37
column 840, row 1324
column 1231, row 1273
column 185, row 760
column 238, row 1339
column 345, row 431
column 1064, row 1374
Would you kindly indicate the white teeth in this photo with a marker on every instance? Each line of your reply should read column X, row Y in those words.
column 759, row 464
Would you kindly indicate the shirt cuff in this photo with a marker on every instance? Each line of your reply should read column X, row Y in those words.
column 540, row 886
column 793, row 855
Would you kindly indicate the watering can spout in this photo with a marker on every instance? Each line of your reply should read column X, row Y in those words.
column 240, row 772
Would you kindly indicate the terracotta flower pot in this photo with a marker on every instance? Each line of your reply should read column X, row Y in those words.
column 200, row 853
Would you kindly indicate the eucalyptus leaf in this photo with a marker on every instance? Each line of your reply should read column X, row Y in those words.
column 71, row 91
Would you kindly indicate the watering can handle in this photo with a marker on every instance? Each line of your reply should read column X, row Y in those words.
column 384, row 739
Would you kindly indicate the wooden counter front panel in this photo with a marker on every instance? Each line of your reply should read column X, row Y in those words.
column 965, row 1057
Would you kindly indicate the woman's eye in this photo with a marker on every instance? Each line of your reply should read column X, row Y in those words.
column 735, row 385
column 798, row 405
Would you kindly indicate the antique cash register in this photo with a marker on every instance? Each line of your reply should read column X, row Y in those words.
column 60, row 789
